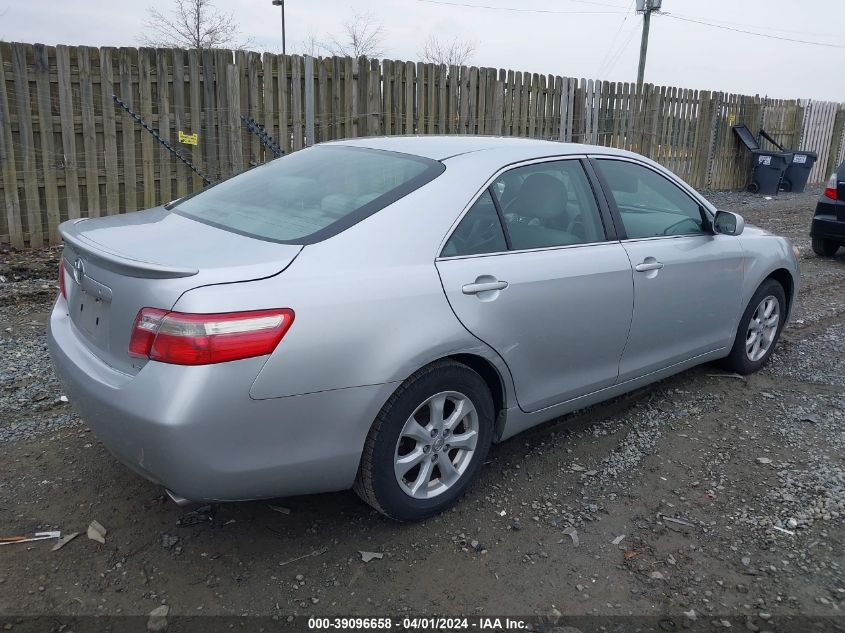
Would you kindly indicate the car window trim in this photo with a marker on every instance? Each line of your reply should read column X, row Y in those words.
column 662, row 171
column 488, row 184
column 527, row 250
column 693, row 195
column 505, row 236
column 500, row 213
column 611, row 231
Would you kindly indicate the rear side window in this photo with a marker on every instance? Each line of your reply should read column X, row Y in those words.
column 311, row 194
column 480, row 231
column 549, row 204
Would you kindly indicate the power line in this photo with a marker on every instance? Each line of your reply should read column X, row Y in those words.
column 615, row 59
column 523, row 10
column 754, row 26
column 598, row 4
column 610, row 51
column 755, row 33
column 724, row 26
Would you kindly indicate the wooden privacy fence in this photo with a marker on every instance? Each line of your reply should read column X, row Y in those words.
column 66, row 151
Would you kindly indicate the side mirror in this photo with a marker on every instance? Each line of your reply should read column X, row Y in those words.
column 728, row 223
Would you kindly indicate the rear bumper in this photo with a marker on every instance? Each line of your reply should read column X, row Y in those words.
column 828, row 227
column 196, row 431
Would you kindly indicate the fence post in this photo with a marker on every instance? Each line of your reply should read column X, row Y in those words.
column 564, row 109
column 760, row 110
column 655, row 104
column 374, row 98
column 233, row 118
column 7, row 165
column 296, row 99
column 797, row 123
column 715, row 113
column 836, row 146
column 579, row 124
column 27, row 144
column 66, row 116
column 48, row 163
column 309, row 100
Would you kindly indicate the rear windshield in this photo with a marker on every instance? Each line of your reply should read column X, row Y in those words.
column 311, row 194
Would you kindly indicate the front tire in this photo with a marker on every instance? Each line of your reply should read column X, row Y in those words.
column 428, row 442
column 759, row 329
column 824, row 248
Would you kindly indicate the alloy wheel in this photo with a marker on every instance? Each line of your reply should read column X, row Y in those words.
column 762, row 328
column 436, row 445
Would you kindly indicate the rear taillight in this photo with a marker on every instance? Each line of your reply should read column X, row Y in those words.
column 202, row 339
column 830, row 189
column 62, row 277
column 144, row 331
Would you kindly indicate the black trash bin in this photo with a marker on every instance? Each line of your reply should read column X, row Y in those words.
column 799, row 168
column 767, row 167
column 795, row 178
column 767, row 171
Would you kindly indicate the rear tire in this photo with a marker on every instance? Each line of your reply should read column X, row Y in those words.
column 410, row 469
column 754, row 187
column 759, row 330
column 824, row 248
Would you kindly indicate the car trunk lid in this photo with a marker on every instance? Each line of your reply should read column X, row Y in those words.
column 116, row 265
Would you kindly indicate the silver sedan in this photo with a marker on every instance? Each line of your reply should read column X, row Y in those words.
column 374, row 313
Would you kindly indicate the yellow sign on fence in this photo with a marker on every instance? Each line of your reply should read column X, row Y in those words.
column 188, row 139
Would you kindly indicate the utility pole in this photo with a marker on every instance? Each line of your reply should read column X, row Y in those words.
column 281, row 3
column 646, row 7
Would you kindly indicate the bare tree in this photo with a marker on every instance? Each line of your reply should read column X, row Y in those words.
column 452, row 52
column 311, row 45
column 193, row 24
column 363, row 35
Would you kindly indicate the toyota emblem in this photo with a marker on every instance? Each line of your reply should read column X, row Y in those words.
column 78, row 271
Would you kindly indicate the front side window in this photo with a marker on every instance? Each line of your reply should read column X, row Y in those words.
column 480, row 231
column 650, row 205
column 548, row 204
column 311, row 194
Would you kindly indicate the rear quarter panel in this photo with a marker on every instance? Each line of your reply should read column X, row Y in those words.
column 369, row 306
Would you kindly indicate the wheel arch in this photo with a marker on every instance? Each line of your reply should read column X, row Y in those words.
column 784, row 278
column 490, row 374
column 493, row 379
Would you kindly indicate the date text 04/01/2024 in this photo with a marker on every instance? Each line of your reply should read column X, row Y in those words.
column 418, row 623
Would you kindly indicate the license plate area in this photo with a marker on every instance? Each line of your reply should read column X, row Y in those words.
column 89, row 304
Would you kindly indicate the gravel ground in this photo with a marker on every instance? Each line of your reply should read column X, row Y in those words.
column 704, row 499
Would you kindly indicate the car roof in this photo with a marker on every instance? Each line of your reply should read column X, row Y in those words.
column 443, row 147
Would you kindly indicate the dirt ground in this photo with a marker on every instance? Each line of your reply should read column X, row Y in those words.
column 728, row 493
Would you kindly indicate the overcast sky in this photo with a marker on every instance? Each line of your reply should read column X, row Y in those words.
column 576, row 38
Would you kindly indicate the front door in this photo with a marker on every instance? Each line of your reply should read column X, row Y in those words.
column 687, row 280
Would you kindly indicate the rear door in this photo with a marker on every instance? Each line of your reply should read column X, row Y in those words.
column 687, row 280
column 531, row 271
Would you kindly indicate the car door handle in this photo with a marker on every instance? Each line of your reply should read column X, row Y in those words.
column 474, row 289
column 647, row 266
